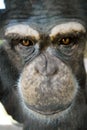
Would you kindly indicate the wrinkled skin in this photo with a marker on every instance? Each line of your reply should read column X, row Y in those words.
column 42, row 74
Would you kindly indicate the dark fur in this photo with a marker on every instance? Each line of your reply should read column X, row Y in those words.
column 39, row 13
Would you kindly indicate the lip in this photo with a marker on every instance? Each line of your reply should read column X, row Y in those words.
column 45, row 112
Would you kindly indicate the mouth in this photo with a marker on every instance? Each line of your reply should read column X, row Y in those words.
column 50, row 111
column 48, row 98
column 47, row 95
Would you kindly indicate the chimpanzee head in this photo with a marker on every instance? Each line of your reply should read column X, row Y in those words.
column 50, row 38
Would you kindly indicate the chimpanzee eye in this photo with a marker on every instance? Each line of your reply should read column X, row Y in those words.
column 26, row 42
column 66, row 41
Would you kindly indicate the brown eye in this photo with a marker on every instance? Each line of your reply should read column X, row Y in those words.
column 65, row 41
column 26, row 42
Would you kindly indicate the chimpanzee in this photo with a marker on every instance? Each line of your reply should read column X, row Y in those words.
column 42, row 74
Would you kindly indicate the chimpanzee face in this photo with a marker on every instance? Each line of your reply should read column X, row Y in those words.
column 49, row 78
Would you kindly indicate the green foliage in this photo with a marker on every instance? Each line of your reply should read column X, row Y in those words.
column 1, row 41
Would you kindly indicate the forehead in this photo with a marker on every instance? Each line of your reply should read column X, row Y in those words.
column 43, row 13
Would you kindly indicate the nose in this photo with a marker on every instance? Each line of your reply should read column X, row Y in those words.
column 46, row 65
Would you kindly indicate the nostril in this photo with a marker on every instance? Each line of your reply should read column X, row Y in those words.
column 46, row 70
column 54, row 72
column 41, row 69
column 52, row 69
